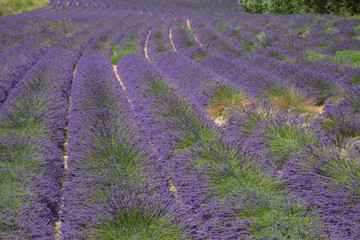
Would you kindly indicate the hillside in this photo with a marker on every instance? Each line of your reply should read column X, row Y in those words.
column 159, row 119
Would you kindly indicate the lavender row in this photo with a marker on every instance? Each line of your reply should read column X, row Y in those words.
column 114, row 185
column 20, row 59
column 214, row 43
column 159, row 42
column 215, row 95
column 33, row 133
column 218, row 184
column 133, row 40
column 272, row 46
column 32, row 125
column 284, row 39
column 277, row 137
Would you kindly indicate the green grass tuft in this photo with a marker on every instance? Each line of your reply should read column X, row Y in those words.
column 347, row 57
column 272, row 213
column 276, row 55
column 357, row 29
column 138, row 223
column 322, row 46
column 331, row 30
column 250, row 47
column 222, row 26
column 200, row 55
column 313, row 56
column 192, row 31
column 288, row 139
column 339, row 168
column 115, row 58
column 239, row 27
column 129, row 46
column 355, row 81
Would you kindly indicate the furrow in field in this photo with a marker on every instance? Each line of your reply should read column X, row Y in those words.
column 159, row 41
column 65, row 158
column 171, row 40
column 122, row 85
column 190, row 29
column 146, row 46
column 35, row 113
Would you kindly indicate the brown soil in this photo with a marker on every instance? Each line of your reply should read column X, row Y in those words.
column 196, row 39
column 171, row 40
column 145, row 47
column 65, row 161
column 122, row 85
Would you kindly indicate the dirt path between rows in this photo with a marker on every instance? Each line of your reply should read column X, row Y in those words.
column 122, row 85
column 189, row 27
column 171, row 40
column 65, row 159
column 172, row 187
column 145, row 47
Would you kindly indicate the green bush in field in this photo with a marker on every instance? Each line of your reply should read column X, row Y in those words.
column 345, row 7
column 278, row 6
column 253, row 6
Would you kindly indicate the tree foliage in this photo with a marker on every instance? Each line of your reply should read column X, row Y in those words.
column 345, row 7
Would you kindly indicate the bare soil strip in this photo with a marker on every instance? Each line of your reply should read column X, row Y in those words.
column 145, row 47
column 172, row 187
column 122, row 85
column 189, row 27
column 220, row 121
column 65, row 158
column 171, row 40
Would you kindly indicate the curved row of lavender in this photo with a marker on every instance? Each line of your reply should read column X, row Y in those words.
column 33, row 120
column 146, row 160
column 115, row 188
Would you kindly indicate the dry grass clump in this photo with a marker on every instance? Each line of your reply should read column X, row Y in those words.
column 295, row 102
column 225, row 101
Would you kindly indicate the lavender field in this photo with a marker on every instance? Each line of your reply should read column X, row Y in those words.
column 159, row 119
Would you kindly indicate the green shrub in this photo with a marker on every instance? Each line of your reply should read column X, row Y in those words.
column 313, row 56
column 345, row 7
column 347, row 57
column 253, row 6
column 278, row 6
column 267, row 6
column 330, row 30
column 357, row 29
